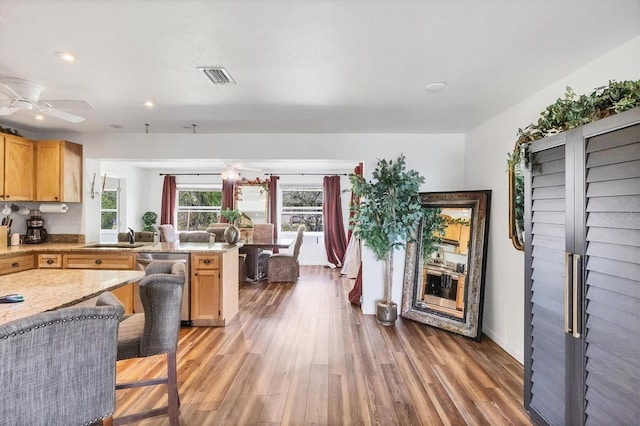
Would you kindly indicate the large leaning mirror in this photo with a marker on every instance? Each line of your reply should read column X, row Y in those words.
column 445, row 264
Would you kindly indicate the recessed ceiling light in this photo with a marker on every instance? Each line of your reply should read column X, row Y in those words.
column 66, row 56
column 436, row 86
column 39, row 117
column 149, row 104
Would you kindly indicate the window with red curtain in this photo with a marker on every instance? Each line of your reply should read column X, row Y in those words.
column 334, row 237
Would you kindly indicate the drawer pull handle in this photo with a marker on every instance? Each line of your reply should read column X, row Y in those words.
column 98, row 262
column 207, row 261
column 49, row 261
column 15, row 264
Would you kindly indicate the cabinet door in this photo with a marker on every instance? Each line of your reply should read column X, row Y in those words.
column 18, row 169
column 205, row 297
column 545, row 337
column 612, row 278
column 47, row 170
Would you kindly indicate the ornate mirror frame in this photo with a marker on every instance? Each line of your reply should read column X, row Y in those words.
column 516, row 204
column 470, row 323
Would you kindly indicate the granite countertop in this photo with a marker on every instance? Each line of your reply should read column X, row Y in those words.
column 86, row 247
column 49, row 289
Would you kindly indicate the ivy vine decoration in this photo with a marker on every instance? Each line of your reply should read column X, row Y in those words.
column 574, row 111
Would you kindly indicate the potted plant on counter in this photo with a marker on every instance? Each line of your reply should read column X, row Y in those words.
column 387, row 215
column 232, row 233
column 149, row 221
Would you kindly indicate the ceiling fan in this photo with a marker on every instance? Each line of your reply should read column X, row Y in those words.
column 232, row 170
column 24, row 95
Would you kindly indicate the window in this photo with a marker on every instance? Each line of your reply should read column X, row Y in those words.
column 109, row 210
column 197, row 208
column 302, row 206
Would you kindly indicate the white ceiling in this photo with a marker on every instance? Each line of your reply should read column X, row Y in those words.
column 301, row 66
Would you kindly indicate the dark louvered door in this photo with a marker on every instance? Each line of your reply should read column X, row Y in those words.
column 545, row 372
column 612, row 279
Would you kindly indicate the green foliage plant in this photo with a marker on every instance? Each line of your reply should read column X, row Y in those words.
column 148, row 221
column 388, row 211
column 434, row 224
column 573, row 111
column 232, row 215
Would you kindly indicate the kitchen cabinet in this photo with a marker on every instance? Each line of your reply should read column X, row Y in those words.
column 214, row 285
column 49, row 261
column 17, row 168
column 58, row 175
column 99, row 261
column 17, row 263
column 582, row 274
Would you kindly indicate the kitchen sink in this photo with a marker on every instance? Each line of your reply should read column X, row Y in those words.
column 115, row 245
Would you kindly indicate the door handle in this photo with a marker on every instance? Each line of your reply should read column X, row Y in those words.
column 568, row 280
column 577, row 281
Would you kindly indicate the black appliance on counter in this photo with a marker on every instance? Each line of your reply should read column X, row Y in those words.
column 36, row 234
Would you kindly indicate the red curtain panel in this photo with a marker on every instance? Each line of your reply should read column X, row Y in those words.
column 335, row 241
column 168, row 207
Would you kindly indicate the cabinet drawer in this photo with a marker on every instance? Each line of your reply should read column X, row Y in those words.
column 12, row 264
column 98, row 261
column 205, row 262
column 52, row 261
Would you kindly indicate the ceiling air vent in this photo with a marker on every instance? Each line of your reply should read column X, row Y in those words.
column 217, row 75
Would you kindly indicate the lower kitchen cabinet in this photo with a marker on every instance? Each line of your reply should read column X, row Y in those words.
column 106, row 261
column 99, row 261
column 17, row 263
column 214, row 285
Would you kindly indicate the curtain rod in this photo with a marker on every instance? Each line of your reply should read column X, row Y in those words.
column 306, row 174
column 190, row 174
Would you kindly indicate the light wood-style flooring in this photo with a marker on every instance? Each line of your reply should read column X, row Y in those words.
column 301, row 354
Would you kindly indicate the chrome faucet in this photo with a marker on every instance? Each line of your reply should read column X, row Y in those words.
column 132, row 236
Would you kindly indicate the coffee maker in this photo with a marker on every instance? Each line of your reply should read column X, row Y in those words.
column 36, row 233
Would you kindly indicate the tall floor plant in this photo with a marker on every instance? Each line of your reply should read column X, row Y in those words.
column 387, row 214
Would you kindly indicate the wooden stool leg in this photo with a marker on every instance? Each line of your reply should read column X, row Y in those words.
column 172, row 388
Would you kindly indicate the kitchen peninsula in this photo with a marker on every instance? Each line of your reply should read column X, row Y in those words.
column 211, row 293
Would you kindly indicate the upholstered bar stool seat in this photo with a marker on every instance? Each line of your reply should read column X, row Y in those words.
column 155, row 332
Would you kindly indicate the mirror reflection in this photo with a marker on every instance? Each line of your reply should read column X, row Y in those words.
column 445, row 258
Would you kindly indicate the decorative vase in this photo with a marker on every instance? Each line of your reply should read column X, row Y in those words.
column 231, row 234
column 386, row 309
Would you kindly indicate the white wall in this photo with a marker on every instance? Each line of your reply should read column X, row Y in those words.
column 487, row 149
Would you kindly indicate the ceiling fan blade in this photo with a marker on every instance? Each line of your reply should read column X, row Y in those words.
column 62, row 115
column 5, row 110
column 9, row 92
column 65, row 104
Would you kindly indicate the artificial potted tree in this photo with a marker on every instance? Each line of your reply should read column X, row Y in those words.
column 387, row 215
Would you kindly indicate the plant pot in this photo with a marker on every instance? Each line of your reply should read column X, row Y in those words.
column 231, row 235
column 386, row 312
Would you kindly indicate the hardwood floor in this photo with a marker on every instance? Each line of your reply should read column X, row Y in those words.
column 301, row 354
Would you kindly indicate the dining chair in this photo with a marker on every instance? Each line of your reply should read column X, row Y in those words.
column 285, row 267
column 155, row 332
column 167, row 233
column 59, row 367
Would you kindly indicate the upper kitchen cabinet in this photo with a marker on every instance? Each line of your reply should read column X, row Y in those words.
column 58, row 171
column 17, row 168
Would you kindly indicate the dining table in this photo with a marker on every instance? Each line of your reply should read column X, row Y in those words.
column 254, row 249
column 49, row 289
